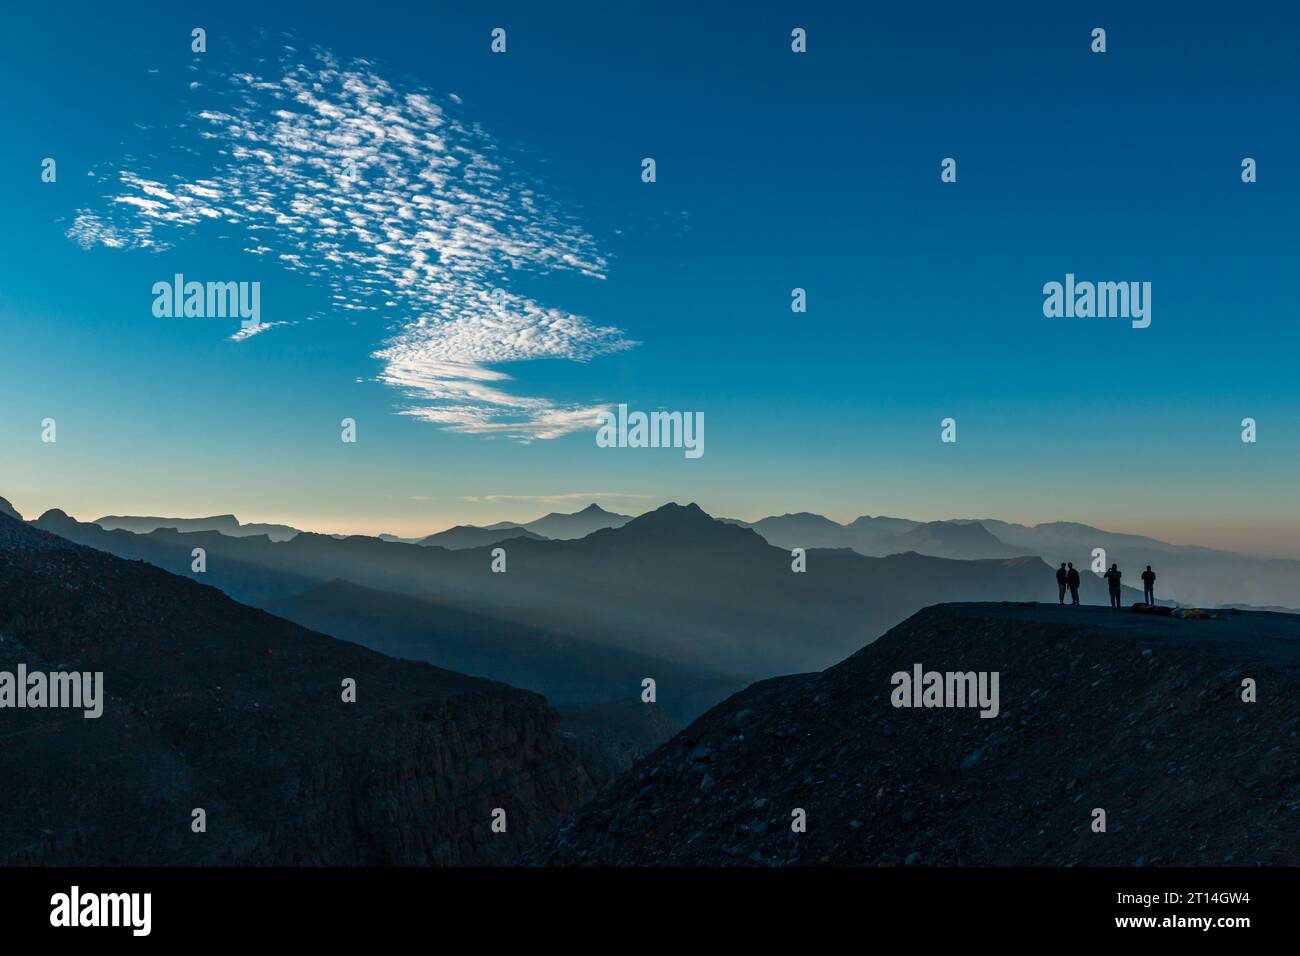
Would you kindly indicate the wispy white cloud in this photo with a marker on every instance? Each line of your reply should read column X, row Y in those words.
column 248, row 331
column 403, row 210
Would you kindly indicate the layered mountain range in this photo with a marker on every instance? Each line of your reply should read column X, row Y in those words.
column 698, row 605
column 213, row 705
column 1185, row 573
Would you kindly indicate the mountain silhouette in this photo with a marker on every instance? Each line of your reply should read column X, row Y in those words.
column 882, row 524
column 669, row 525
column 813, row 530
column 1140, row 716
column 673, row 584
column 468, row 536
column 949, row 539
column 1185, row 573
column 560, row 526
column 875, row 537
column 225, row 524
column 239, row 572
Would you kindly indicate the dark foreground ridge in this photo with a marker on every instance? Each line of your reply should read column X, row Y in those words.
column 1140, row 716
column 211, row 704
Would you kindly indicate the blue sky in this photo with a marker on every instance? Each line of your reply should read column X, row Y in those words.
column 775, row 170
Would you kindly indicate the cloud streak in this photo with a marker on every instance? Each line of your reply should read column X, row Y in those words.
column 403, row 211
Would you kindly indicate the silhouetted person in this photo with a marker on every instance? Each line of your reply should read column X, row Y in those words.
column 1062, row 576
column 1149, row 585
column 1072, row 579
column 1112, row 578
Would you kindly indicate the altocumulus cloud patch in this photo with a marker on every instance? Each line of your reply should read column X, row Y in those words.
column 401, row 208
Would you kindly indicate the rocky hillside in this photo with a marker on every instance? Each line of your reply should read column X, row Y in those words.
column 611, row 737
column 211, row 704
column 1139, row 716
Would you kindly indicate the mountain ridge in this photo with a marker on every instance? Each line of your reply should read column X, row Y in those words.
column 1190, row 574
column 673, row 584
column 226, row 524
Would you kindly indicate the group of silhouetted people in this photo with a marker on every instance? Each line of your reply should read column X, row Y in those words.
column 1068, row 577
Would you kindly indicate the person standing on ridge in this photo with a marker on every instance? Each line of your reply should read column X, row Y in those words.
column 1061, row 578
column 1112, row 578
column 1149, row 585
column 1072, row 579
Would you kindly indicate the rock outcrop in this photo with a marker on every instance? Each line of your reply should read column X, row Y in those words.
column 1140, row 716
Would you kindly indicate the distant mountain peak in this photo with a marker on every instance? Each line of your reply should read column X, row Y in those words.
column 673, row 515
column 690, row 508
column 579, row 524
column 7, row 509
column 674, row 529
column 469, row 536
column 806, row 518
column 592, row 510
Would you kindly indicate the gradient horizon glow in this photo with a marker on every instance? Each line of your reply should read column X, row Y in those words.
column 775, row 171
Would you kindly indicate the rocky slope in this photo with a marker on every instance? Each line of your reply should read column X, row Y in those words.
column 611, row 737
column 211, row 704
column 1139, row 716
